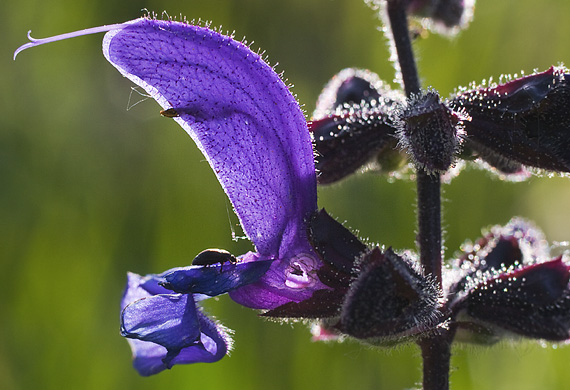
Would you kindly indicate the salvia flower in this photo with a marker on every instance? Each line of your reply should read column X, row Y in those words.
column 255, row 137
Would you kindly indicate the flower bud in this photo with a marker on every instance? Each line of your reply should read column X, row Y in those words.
column 443, row 16
column 353, row 124
column 389, row 300
column 506, row 284
column 429, row 132
column 347, row 141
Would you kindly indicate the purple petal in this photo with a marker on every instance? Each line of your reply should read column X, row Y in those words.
column 304, row 283
column 141, row 287
column 169, row 320
column 149, row 358
column 173, row 329
column 214, row 344
column 238, row 111
column 215, row 279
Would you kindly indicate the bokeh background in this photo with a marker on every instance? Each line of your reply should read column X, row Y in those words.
column 90, row 190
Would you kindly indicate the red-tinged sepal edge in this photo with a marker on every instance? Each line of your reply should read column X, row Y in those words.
column 346, row 142
column 507, row 285
column 521, row 123
column 353, row 128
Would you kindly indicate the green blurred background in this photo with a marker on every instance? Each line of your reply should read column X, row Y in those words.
column 90, row 190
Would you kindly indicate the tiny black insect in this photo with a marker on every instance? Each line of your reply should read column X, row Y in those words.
column 170, row 113
column 213, row 256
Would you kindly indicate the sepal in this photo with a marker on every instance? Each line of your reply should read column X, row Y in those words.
column 522, row 122
column 430, row 132
column 352, row 125
column 507, row 284
column 390, row 300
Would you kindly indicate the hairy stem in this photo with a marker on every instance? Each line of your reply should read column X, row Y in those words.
column 436, row 349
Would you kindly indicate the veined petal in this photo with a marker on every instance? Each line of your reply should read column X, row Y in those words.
column 169, row 320
column 237, row 110
column 235, row 107
column 166, row 329
column 141, row 287
column 214, row 343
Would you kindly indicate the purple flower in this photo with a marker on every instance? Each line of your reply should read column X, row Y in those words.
column 254, row 135
column 165, row 327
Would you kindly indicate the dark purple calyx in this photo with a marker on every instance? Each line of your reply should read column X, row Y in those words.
column 506, row 286
column 389, row 300
column 446, row 16
column 356, row 88
column 346, row 142
column 353, row 123
column 524, row 121
column 533, row 301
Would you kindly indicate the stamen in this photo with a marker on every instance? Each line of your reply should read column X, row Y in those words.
column 94, row 30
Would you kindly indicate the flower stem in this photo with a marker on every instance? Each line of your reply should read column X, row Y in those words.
column 436, row 349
